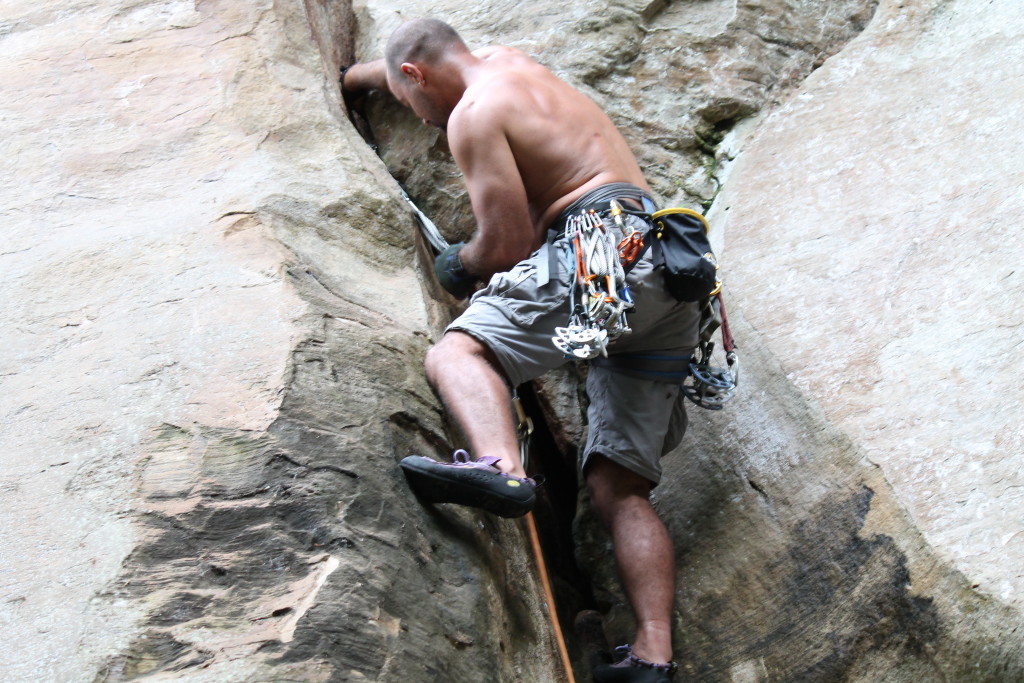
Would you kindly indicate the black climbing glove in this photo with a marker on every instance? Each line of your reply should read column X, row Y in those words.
column 355, row 101
column 450, row 273
column 355, row 108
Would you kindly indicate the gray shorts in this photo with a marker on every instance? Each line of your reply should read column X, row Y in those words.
column 634, row 419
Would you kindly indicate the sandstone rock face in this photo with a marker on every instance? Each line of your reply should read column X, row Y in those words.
column 213, row 325
column 216, row 307
column 896, row 300
column 874, row 266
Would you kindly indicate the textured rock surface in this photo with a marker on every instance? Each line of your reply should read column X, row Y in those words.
column 791, row 540
column 874, row 266
column 215, row 311
column 897, row 250
column 675, row 76
column 213, row 317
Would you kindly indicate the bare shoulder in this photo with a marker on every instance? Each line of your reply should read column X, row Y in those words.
column 481, row 114
column 497, row 51
column 499, row 92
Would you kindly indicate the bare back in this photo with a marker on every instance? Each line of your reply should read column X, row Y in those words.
column 563, row 144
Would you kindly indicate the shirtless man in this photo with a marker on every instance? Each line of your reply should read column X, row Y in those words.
column 530, row 147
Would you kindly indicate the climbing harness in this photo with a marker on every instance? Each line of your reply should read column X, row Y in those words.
column 599, row 282
column 599, row 298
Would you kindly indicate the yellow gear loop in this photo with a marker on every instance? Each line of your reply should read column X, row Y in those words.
column 678, row 209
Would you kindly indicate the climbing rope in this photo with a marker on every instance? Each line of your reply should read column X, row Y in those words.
column 549, row 597
column 524, row 430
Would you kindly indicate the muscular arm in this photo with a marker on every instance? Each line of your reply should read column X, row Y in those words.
column 374, row 75
column 367, row 76
column 479, row 143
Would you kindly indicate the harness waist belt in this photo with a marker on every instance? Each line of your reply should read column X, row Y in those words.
column 599, row 199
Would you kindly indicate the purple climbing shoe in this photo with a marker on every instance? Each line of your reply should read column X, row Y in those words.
column 633, row 669
column 476, row 483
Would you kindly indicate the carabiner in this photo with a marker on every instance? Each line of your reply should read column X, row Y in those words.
column 630, row 247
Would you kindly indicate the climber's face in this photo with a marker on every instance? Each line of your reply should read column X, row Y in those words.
column 412, row 88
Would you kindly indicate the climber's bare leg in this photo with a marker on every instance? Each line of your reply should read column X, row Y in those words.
column 466, row 375
column 643, row 552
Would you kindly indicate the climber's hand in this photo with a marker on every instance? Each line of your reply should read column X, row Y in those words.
column 450, row 273
column 354, row 98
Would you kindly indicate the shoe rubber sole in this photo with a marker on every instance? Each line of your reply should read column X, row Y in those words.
column 611, row 674
column 475, row 487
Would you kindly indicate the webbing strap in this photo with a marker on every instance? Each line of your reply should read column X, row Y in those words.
column 657, row 367
column 603, row 194
column 599, row 198
column 727, row 341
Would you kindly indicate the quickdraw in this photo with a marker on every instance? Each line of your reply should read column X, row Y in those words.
column 631, row 247
column 524, row 429
column 599, row 317
column 707, row 385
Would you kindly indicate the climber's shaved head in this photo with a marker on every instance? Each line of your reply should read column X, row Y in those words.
column 421, row 41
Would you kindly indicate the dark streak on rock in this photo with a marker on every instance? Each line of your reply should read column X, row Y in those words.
column 834, row 596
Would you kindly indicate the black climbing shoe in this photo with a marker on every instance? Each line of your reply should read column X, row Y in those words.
column 476, row 483
column 632, row 669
